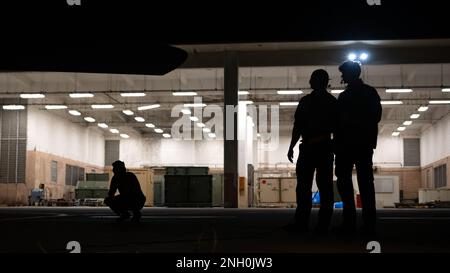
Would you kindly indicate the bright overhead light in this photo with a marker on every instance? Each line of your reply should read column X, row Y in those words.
column 81, row 95
column 395, row 134
column 439, row 101
column 159, row 131
column 13, row 107
column 351, row 56
column 401, row 129
column 89, row 119
column 407, row 123
column 74, row 113
column 139, row 119
column 391, row 102
column 212, row 135
column 289, row 92
column 114, row 131
column 179, row 94
column 124, row 136
column 102, row 106
column 288, row 103
column 186, row 111
column 32, row 96
column 148, row 107
column 446, row 90
column 337, row 91
column 128, row 112
column 201, row 125
column 194, row 118
column 363, row 56
column 415, row 116
column 243, row 93
column 102, row 125
column 150, row 125
column 246, row 102
column 55, row 107
column 258, row 135
column 132, row 94
column 166, row 135
column 423, row 109
column 194, row 105
column 407, row 90
column 206, row 130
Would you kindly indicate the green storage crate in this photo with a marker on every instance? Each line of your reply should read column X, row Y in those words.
column 188, row 190
column 187, row 170
column 97, row 176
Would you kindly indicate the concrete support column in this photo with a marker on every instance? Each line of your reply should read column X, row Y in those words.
column 231, row 82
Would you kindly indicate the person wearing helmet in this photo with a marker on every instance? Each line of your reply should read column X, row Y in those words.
column 359, row 112
column 130, row 198
column 315, row 120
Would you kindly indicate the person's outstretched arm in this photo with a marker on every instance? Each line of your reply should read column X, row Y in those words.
column 113, row 187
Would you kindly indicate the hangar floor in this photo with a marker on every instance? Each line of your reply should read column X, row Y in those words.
column 211, row 230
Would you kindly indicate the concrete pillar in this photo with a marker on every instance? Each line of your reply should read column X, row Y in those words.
column 231, row 71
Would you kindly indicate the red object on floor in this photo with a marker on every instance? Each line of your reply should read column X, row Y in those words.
column 358, row 201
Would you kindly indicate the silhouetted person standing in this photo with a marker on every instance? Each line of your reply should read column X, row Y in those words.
column 356, row 137
column 315, row 120
column 130, row 198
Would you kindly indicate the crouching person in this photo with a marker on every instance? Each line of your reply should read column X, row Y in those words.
column 130, row 198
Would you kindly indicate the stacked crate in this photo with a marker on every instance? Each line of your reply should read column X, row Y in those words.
column 188, row 187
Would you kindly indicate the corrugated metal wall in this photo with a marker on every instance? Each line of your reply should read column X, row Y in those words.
column 13, row 145
column 112, row 151
column 411, row 152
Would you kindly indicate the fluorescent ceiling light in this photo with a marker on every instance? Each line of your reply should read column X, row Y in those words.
column 55, row 107
column 243, row 93
column 186, row 111
column 102, row 125
column 32, row 96
column 395, row 134
column 288, row 103
column 128, row 112
column 407, row 123
column 415, row 116
column 439, row 101
column 102, row 106
column 139, row 119
column 206, row 130
column 399, row 90
column 74, row 113
column 212, row 135
column 178, row 94
column 337, row 91
column 446, row 90
column 423, row 108
column 194, row 118
column 166, row 135
column 148, row 107
column 132, row 94
column 114, row 131
column 201, row 125
column 13, row 107
column 289, row 92
column 246, row 102
column 124, row 136
column 159, row 131
column 81, row 95
column 391, row 102
column 401, row 129
column 194, row 105
column 150, row 125
column 89, row 119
